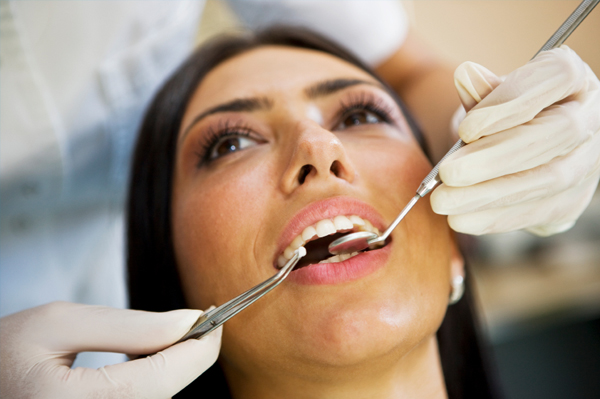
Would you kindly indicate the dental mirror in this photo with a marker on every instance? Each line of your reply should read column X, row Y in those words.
column 355, row 242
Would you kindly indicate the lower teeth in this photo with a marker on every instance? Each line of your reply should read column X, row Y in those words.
column 339, row 258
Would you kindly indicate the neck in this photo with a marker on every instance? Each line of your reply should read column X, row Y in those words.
column 417, row 374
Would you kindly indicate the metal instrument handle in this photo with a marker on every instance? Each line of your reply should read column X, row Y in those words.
column 569, row 25
column 213, row 319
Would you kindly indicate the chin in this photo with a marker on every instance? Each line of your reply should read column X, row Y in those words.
column 357, row 333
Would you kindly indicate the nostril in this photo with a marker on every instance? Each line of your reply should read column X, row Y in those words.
column 335, row 168
column 304, row 171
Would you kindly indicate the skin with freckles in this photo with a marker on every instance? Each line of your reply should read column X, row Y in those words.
column 242, row 173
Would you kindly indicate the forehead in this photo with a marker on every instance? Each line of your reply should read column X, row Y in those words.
column 271, row 71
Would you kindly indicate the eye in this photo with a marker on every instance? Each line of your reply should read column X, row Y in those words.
column 225, row 138
column 230, row 143
column 361, row 109
column 359, row 117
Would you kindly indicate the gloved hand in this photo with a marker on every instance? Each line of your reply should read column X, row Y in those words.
column 40, row 344
column 533, row 158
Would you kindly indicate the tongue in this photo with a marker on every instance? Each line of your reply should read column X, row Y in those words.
column 317, row 251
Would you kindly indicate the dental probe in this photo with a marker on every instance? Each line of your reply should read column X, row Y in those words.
column 355, row 242
column 212, row 319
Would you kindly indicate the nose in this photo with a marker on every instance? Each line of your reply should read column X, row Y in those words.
column 318, row 156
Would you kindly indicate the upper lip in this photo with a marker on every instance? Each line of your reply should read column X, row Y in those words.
column 326, row 209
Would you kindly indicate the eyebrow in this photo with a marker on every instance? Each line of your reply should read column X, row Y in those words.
column 319, row 89
column 326, row 87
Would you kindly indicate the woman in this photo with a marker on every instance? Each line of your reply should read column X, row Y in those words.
column 259, row 144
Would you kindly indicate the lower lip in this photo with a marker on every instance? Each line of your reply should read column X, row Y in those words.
column 354, row 268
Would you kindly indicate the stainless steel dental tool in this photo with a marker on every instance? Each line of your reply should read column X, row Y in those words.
column 355, row 242
column 216, row 317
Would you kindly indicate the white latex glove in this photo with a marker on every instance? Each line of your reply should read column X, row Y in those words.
column 40, row 344
column 533, row 158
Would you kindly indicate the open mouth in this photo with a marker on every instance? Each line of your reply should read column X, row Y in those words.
column 317, row 237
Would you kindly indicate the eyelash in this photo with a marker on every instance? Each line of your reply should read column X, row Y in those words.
column 215, row 134
column 360, row 102
column 366, row 102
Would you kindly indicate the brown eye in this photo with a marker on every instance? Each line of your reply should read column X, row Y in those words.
column 359, row 117
column 229, row 144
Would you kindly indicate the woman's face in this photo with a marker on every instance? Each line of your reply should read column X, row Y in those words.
column 276, row 142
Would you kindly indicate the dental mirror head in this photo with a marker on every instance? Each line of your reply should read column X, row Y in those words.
column 353, row 242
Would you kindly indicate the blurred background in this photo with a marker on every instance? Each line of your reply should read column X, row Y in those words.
column 540, row 298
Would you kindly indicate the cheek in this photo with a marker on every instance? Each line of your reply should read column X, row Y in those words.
column 421, row 255
column 216, row 221
column 422, row 237
column 398, row 166
column 391, row 169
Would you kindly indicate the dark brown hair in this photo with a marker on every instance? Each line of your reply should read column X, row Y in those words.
column 153, row 279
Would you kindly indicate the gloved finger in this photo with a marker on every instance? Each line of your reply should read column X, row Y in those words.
column 77, row 328
column 554, row 132
column 550, row 77
column 168, row 372
column 457, row 118
column 549, row 229
column 158, row 376
column 473, row 83
column 543, row 181
column 562, row 209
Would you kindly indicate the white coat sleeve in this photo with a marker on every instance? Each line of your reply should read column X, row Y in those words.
column 373, row 30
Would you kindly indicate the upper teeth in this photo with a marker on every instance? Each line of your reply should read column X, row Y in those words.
column 324, row 228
